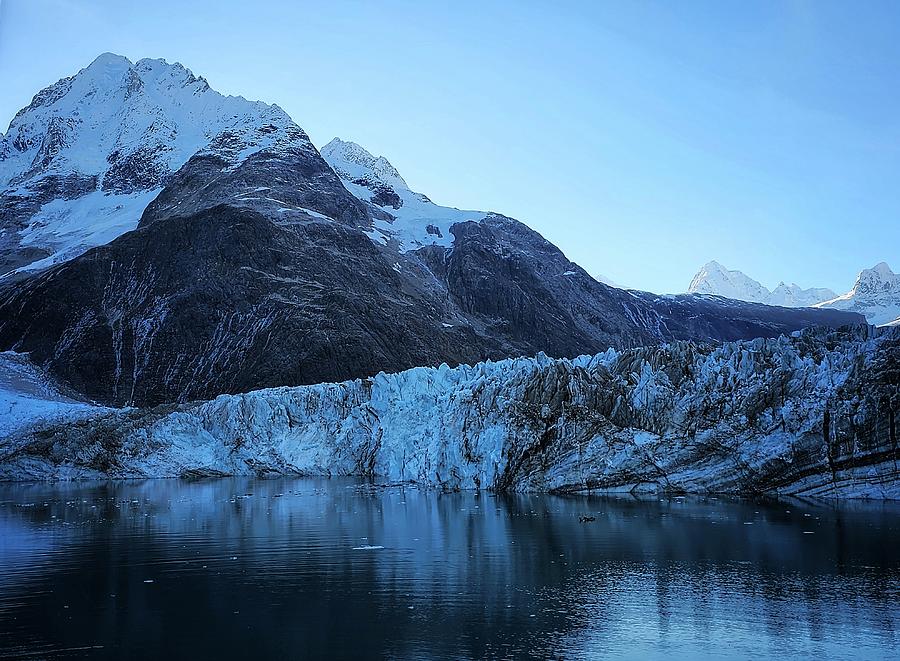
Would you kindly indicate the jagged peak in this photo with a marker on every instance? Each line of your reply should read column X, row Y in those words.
column 343, row 155
column 881, row 269
column 118, row 128
column 876, row 294
column 347, row 147
column 714, row 278
column 712, row 266
column 879, row 276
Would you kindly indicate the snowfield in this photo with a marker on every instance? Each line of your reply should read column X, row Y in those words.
column 29, row 400
column 809, row 415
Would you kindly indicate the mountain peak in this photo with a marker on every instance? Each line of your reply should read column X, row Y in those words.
column 878, row 280
column 353, row 160
column 876, row 294
column 109, row 61
column 880, row 270
column 714, row 278
column 106, row 140
column 407, row 219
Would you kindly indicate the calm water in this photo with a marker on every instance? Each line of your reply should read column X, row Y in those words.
column 313, row 568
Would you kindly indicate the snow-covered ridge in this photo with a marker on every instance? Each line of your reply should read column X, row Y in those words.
column 82, row 161
column 802, row 415
column 351, row 161
column 415, row 220
column 715, row 279
column 876, row 294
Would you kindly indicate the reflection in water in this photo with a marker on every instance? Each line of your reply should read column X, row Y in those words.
column 310, row 568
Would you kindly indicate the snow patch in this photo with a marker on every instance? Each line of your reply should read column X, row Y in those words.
column 71, row 227
column 417, row 221
column 28, row 398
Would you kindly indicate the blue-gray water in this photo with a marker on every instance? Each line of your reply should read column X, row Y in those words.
column 315, row 568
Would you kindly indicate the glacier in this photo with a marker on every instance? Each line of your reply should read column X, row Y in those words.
column 810, row 414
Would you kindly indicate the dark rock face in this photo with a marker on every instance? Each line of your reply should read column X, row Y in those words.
column 56, row 137
column 282, row 184
column 383, row 196
column 693, row 316
column 222, row 301
column 521, row 287
column 137, row 170
column 261, row 275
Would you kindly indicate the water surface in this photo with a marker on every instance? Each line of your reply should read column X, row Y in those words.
column 294, row 569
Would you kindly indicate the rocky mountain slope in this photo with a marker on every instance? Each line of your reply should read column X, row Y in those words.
column 257, row 263
column 704, row 316
column 875, row 295
column 413, row 220
column 814, row 414
column 715, row 279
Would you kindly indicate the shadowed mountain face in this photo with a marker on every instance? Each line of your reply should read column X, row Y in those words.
column 696, row 316
column 259, row 264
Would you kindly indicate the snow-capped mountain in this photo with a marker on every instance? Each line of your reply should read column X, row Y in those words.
column 794, row 296
column 80, row 164
column 876, row 295
column 257, row 264
column 715, row 279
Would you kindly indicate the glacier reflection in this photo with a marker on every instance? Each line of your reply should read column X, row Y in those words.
column 235, row 568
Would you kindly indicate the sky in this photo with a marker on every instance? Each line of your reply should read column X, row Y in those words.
column 643, row 138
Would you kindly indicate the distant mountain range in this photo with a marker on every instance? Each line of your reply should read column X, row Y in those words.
column 875, row 295
column 714, row 278
column 161, row 242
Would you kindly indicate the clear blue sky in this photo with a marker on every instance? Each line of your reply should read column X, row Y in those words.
column 643, row 138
